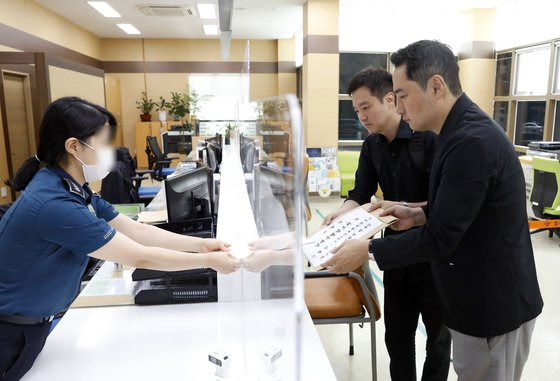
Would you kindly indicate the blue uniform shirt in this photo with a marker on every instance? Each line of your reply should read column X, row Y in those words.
column 45, row 238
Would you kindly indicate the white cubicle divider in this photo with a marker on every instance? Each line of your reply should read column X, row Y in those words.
column 236, row 225
column 263, row 221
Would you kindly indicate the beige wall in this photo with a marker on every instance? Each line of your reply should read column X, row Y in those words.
column 287, row 82
column 472, row 72
column 320, row 100
column 114, row 49
column 324, row 17
column 66, row 82
column 320, row 74
column 30, row 17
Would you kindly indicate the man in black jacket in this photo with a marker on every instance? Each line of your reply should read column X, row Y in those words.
column 474, row 229
column 398, row 160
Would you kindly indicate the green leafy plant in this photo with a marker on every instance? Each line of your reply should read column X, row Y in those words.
column 179, row 105
column 179, row 108
column 145, row 105
column 162, row 105
column 229, row 129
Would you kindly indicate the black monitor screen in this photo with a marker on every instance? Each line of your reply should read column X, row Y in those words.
column 188, row 195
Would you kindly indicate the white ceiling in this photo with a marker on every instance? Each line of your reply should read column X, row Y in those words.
column 252, row 19
column 439, row 5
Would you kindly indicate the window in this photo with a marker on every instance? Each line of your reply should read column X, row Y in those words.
column 229, row 95
column 556, row 136
column 351, row 63
column 529, row 122
column 531, row 74
column 503, row 74
column 501, row 109
column 556, row 89
column 349, row 126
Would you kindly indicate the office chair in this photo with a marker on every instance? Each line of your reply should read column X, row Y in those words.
column 158, row 162
column 545, row 195
column 347, row 164
column 124, row 184
column 345, row 299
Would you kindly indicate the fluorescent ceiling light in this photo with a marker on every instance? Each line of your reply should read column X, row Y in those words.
column 129, row 28
column 210, row 30
column 206, row 11
column 104, row 8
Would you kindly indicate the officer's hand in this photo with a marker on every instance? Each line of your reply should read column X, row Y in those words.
column 223, row 262
column 348, row 256
column 385, row 204
column 407, row 217
column 208, row 245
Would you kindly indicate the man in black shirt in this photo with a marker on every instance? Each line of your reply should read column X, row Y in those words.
column 474, row 228
column 399, row 161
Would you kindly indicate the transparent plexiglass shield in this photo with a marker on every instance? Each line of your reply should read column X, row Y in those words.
column 261, row 212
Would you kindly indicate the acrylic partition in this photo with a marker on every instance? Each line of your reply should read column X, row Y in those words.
column 261, row 213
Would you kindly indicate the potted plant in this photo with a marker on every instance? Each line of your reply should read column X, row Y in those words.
column 145, row 106
column 195, row 101
column 161, row 107
column 179, row 108
column 229, row 130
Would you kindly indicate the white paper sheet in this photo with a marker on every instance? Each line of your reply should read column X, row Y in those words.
column 355, row 224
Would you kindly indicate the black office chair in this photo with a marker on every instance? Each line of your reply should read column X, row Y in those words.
column 158, row 162
column 124, row 184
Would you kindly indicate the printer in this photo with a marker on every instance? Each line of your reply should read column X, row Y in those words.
column 544, row 149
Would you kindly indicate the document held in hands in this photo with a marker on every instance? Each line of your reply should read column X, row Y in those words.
column 354, row 224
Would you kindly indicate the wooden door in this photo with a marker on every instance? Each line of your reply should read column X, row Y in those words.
column 19, row 118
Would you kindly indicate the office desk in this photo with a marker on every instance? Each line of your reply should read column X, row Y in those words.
column 172, row 342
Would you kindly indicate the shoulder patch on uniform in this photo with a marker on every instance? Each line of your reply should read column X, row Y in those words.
column 74, row 188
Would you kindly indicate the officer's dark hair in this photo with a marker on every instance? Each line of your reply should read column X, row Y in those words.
column 426, row 58
column 378, row 80
column 65, row 118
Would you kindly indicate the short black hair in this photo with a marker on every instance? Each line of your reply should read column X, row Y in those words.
column 378, row 80
column 426, row 58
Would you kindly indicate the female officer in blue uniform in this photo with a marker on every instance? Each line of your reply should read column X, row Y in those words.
column 57, row 223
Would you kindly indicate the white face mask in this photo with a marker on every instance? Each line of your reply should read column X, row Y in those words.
column 105, row 159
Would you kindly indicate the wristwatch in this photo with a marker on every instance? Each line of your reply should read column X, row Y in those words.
column 370, row 251
column 404, row 203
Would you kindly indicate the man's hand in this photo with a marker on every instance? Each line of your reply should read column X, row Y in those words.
column 223, row 262
column 346, row 206
column 384, row 204
column 407, row 217
column 210, row 244
column 259, row 260
column 331, row 217
column 348, row 256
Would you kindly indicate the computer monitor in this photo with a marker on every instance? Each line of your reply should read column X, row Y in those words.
column 276, row 143
column 248, row 153
column 273, row 197
column 214, row 157
column 217, row 140
column 171, row 139
column 243, row 141
column 189, row 195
